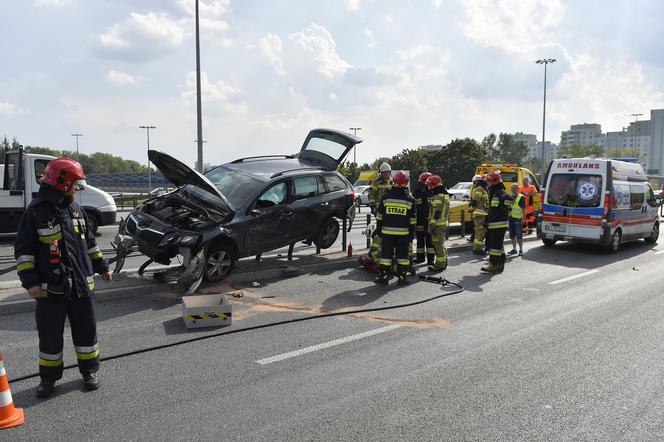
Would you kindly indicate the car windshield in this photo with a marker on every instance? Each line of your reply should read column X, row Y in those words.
column 575, row 190
column 509, row 177
column 235, row 186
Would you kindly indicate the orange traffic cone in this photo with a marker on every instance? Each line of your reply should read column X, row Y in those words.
column 9, row 416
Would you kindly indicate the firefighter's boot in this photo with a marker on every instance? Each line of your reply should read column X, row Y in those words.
column 45, row 388
column 420, row 258
column 491, row 269
column 402, row 275
column 383, row 275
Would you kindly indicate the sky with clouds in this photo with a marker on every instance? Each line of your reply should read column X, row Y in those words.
column 409, row 72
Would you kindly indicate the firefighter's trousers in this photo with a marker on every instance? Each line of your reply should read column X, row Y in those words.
column 438, row 242
column 479, row 232
column 50, row 314
column 424, row 243
column 496, row 247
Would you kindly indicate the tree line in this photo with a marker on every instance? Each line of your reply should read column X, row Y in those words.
column 98, row 162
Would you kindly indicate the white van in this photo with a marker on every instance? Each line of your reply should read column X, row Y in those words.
column 597, row 201
column 19, row 184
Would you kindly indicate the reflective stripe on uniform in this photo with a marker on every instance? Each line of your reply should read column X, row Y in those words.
column 479, row 212
column 403, row 262
column 498, row 225
column 398, row 203
column 91, row 282
column 50, row 360
column 49, row 231
column 517, row 211
column 440, row 223
column 496, row 252
column 49, row 238
column 25, row 258
column 85, row 353
column 413, row 221
column 95, row 253
column 419, row 228
column 25, row 266
column 385, row 262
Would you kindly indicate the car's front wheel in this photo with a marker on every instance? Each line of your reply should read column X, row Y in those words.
column 654, row 234
column 219, row 261
column 328, row 233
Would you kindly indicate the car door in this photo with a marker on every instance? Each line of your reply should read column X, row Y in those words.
column 268, row 219
column 12, row 194
column 308, row 206
column 650, row 210
column 326, row 148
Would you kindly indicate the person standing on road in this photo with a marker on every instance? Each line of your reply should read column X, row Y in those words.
column 499, row 208
column 516, row 221
column 379, row 187
column 529, row 191
column 396, row 218
column 424, row 245
column 439, row 209
column 57, row 256
column 479, row 204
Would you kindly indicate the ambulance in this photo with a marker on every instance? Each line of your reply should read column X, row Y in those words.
column 597, row 201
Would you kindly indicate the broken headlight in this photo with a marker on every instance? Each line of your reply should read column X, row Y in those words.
column 172, row 239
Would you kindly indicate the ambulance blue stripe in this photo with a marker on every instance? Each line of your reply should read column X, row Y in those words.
column 598, row 211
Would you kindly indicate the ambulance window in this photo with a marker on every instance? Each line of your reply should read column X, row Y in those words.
column 575, row 190
column 636, row 196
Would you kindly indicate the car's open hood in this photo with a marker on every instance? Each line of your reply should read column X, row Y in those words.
column 180, row 174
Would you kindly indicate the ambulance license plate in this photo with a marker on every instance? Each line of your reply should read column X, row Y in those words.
column 560, row 228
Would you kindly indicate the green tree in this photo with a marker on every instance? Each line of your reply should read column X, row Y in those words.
column 457, row 160
column 511, row 151
column 492, row 152
column 413, row 160
column 378, row 161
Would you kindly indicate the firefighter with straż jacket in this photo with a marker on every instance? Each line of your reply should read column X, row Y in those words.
column 439, row 210
column 500, row 203
column 424, row 244
column 396, row 219
column 57, row 256
column 479, row 203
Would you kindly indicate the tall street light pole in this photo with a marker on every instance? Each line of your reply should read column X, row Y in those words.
column 355, row 129
column 636, row 119
column 545, row 62
column 199, row 119
column 78, row 157
column 147, row 130
column 196, row 141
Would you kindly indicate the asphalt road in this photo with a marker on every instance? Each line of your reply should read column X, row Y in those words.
column 565, row 345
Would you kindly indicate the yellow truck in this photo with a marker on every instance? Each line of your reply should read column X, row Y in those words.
column 510, row 173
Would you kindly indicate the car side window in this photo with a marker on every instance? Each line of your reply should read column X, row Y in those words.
column 636, row 196
column 650, row 195
column 40, row 166
column 334, row 183
column 533, row 181
column 273, row 196
column 321, row 185
column 305, row 187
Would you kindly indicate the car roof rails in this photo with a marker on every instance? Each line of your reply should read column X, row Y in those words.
column 283, row 172
column 261, row 157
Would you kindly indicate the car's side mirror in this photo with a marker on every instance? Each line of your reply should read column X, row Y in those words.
column 255, row 212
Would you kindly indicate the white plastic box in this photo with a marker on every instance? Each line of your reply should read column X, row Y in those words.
column 206, row 311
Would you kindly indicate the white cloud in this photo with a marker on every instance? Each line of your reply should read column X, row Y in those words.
column 123, row 79
column 415, row 52
column 212, row 18
column 52, row 2
column 437, row 4
column 216, row 97
column 142, row 36
column 271, row 47
column 353, row 5
column 516, row 26
column 315, row 46
column 10, row 109
column 369, row 33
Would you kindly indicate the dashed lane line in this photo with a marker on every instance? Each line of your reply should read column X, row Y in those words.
column 569, row 278
column 324, row 345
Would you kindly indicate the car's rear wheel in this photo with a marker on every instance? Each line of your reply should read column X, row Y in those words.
column 549, row 242
column 328, row 233
column 616, row 239
column 219, row 261
column 652, row 239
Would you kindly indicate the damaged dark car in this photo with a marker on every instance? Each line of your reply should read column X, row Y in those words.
column 240, row 209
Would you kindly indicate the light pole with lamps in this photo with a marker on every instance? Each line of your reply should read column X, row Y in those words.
column 147, row 129
column 355, row 129
column 78, row 157
column 545, row 62
column 636, row 119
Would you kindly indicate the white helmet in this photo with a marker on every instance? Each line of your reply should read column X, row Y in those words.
column 385, row 167
column 477, row 178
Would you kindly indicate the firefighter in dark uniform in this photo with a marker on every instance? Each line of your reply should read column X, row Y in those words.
column 500, row 203
column 56, row 257
column 424, row 245
column 396, row 219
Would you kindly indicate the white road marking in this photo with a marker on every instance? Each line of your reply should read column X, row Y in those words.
column 324, row 345
column 452, row 257
column 659, row 253
column 569, row 278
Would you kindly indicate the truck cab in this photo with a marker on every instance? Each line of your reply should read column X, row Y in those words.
column 20, row 181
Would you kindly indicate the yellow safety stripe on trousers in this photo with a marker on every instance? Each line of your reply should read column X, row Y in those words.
column 403, row 262
column 208, row 316
column 496, row 252
column 498, row 225
column 50, row 360
column 45, row 363
column 49, row 238
column 479, row 212
column 477, row 242
column 391, row 231
column 87, row 356
column 495, row 203
column 413, row 221
column 419, row 228
column 440, row 223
